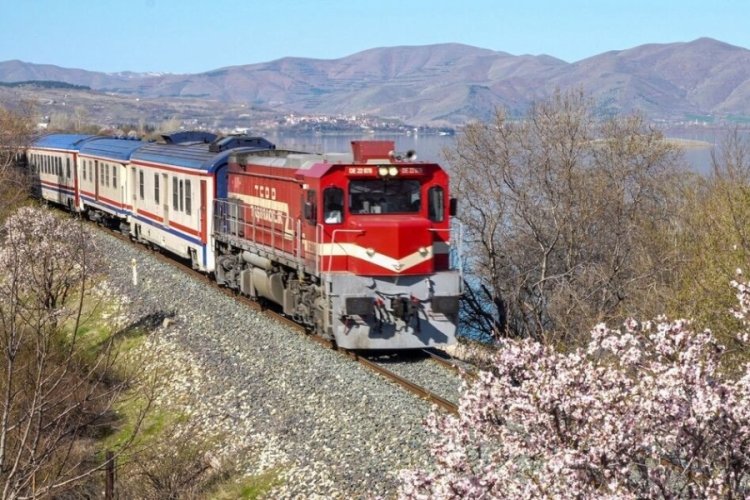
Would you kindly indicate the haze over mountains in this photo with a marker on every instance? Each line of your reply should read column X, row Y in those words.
column 449, row 84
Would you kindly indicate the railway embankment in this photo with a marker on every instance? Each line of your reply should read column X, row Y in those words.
column 279, row 403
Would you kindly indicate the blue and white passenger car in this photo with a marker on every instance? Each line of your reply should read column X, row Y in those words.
column 105, row 190
column 173, row 188
column 54, row 158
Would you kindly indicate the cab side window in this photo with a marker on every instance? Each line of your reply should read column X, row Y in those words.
column 333, row 205
column 436, row 204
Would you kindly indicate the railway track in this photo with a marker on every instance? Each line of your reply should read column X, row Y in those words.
column 447, row 361
column 412, row 387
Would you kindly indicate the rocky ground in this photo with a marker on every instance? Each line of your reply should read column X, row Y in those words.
column 279, row 401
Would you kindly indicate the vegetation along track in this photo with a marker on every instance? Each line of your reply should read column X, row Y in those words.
column 366, row 361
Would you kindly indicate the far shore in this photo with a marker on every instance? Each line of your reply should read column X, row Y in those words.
column 688, row 143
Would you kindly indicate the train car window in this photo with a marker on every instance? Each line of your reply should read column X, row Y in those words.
column 333, row 205
column 83, row 164
column 67, row 167
column 182, row 196
column 101, row 175
column 436, row 204
column 188, row 198
column 384, row 196
column 114, row 176
column 58, row 161
column 106, row 174
column 140, row 183
column 175, row 194
column 156, row 188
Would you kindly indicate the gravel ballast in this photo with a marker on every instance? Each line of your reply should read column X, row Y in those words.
column 332, row 428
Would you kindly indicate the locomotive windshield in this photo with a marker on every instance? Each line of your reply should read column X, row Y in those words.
column 389, row 196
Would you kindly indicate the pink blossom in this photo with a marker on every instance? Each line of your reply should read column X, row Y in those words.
column 642, row 412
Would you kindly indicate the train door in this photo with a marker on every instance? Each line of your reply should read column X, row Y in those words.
column 119, row 183
column 203, row 212
column 135, row 228
column 76, row 183
column 133, row 188
column 165, row 205
column 96, row 180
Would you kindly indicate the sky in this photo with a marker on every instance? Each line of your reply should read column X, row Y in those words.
column 186, row 36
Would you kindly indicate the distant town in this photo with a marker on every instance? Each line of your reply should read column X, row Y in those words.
column 342, row 124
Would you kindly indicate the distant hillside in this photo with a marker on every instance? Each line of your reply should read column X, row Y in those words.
column 44, row 84
column 452, row 83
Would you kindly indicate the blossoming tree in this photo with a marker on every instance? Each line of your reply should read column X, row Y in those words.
column 643, row 412
column 56, row 393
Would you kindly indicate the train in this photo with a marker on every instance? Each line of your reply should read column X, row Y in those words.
column 359, row 247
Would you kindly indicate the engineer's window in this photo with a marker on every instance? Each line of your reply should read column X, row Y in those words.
column 333, row 205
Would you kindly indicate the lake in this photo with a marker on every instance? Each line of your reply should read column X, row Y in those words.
column 430, row 147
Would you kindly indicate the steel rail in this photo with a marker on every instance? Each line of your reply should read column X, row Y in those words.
column 453, row 364
column 420, row 391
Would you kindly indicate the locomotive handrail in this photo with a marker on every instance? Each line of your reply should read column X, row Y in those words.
column 257, row 230
column 458, row 228
column 330, row 257
column 333, row 242
column 459, row 253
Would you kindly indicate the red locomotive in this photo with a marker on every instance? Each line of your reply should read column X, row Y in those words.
column 356, row 246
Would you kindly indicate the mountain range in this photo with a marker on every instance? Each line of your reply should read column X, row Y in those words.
column 450, row 84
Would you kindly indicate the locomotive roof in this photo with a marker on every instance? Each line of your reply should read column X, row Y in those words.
column 191, row 156
column 63, row 141
column 116, row 149
column 289, row 159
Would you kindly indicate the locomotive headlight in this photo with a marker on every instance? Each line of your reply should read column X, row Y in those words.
column 383, row 171
column 393, row 171
column 370, row 251
column 423, row 251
